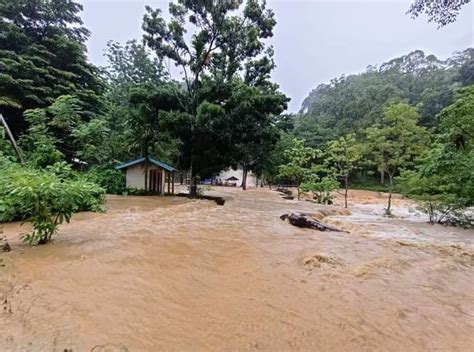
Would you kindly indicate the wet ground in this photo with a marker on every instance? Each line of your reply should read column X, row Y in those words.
column 163, row 273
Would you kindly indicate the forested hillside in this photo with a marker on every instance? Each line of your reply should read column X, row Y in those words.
column 351, row 103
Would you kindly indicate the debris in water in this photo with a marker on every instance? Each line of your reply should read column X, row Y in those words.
column 304, row 220
column 218, row 200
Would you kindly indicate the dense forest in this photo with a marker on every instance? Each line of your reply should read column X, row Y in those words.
column 405, row 125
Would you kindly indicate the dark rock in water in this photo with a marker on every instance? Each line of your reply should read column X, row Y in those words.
column 288, row 197
column 218, row 200
column 305, row 221
column 4, row 245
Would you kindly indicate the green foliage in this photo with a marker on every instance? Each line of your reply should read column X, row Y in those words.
column 457, row 120
column 148, row 122
column 321, row 188
column 396, row 142
column 344, row 154
column 132, row 65
column 253, row 110
column 43, row 56
column 57, row 133
column 6, row 149
column 370, row 184
column 111, row 180
column 300, row 159
column 45, row 198
column 276, row 157
column 39, row 144
column 137, row 97
column 443, row 179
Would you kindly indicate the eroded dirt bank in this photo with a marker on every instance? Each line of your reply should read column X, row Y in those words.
column 173, row 274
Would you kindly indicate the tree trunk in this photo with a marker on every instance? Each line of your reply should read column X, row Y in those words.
column 193, row 186
column 244, row 178
column 390, row 189
column 146, row 175
column 346, row 183
column 12, row 139
column 382, row 177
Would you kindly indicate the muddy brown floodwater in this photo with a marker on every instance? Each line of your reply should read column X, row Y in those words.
column 155, row 274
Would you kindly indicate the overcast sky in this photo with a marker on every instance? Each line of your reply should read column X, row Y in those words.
column 314, row 40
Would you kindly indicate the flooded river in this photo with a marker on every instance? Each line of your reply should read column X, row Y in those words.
column 163, row 273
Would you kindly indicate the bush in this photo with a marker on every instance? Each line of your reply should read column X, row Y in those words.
column 322, row 189
column 44, row 198
column 113, row 181
column 370, row 184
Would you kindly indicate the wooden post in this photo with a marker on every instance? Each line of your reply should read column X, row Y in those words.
column 12, row 139
column 169, row 177
column 172, row 185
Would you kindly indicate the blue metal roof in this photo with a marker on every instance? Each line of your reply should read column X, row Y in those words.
column 151, row 160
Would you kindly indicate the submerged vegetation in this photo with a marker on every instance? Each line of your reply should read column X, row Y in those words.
column 45, row 198
column 409, row 120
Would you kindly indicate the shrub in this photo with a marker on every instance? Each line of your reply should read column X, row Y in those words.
column 322, row 189
column 113, row 181
column 44, row 198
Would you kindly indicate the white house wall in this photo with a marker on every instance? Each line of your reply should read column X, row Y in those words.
column 135, row 176
column 163, row 181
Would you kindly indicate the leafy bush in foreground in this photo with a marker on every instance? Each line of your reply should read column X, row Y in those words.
column 44, row 198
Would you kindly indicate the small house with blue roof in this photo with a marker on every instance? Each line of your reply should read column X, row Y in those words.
column 149, row 174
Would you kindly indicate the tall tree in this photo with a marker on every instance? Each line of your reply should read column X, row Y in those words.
column 43, row 56
column 253, row 110
column 132, row 64
column 134, row 78
column 300, row 160
column 222, row 41
column 345, row 154
column 396, row 142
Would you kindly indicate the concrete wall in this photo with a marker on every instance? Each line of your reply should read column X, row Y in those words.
column 135, row 176
column 251, row 178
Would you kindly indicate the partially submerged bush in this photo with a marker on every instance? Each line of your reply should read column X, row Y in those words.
column 445, row 211
column 44, row 198
column 322, row 189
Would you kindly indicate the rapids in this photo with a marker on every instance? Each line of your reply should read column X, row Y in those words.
column 164, row 273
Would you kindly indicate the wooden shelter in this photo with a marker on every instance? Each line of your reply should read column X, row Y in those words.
column 149, row 174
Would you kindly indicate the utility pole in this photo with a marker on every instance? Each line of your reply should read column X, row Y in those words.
column 12, row 139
